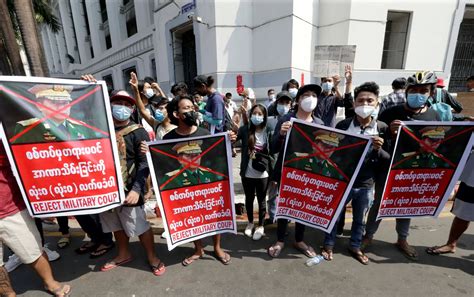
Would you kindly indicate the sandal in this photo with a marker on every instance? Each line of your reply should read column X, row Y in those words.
column 158, row 270
column 62, row 291
column 327, row 253
column 359, row 256
column 408, row 251
column 307, row 250
column 275, row 250
column 438, row 250
column 64, row 242
column 224, row 259
column 112, row 264
column 86, row 248
column 96, row 253
column 189, row 260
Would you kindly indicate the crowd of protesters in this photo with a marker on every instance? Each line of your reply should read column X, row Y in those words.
column 260, row 130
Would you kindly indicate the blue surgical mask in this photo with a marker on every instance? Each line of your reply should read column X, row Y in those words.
column 121, row 112
column 416, row 100
column 256, row 119
column 159, row 116
column 327, row 86
column 282, row 109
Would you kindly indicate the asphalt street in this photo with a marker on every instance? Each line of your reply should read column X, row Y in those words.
column 253, row 273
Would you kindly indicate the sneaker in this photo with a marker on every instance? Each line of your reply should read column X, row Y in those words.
column 12, row 263
column 259, row 232
column 52, row 255
column 164, row 235
column 248, row 230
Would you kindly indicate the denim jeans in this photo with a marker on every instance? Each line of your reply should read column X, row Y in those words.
column 361, row 198
column 402, row 225
column 272, row 199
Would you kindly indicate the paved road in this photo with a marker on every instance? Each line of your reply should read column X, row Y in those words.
column 253, row 273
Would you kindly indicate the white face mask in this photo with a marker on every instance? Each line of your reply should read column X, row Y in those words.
column 272, row 97
column 308, row 104
column 364, row 111
column 293, row 92
column 149, row 93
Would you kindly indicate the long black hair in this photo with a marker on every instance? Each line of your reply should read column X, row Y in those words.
column 253, row 128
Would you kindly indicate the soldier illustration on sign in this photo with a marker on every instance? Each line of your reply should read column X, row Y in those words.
column 326, row 142
column 424, row 158
column 56, row 127
column 192, row 175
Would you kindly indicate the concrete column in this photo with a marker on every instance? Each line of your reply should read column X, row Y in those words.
column 54, row 51
column 95, row 19
column 68, row 29
column 142, row 13
column 81, row 31
column 117, row 24
column 47, row 48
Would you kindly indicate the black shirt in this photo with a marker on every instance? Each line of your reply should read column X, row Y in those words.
column 174, row 135
column 399, row 112
column 135, row 157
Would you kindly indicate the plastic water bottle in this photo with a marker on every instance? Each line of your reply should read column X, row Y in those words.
column 314, row 261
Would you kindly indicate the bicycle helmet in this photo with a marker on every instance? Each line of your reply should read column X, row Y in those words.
column 422, row 78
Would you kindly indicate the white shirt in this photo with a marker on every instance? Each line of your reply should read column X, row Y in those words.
column 370, row 130
column 260, row 143
column 232, row 108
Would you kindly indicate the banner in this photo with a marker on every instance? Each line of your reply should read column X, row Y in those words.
column 330, row 60
column 320, row 165
column 427, row 161
column 60, row 140
column 193, row 183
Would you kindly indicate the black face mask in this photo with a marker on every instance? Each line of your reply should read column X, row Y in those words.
column 190, row 118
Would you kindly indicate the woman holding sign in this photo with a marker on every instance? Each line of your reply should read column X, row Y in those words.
column 306, row 100
column 255, row 166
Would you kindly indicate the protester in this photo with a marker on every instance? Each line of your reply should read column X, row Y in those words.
column 230, row 105
column 199, row 101
column 255, row 166
column 376, row 160
column 179, row 89
column 396, row 97
column 182, row 114
column 271, row 97
column 463, row 209
column 419, row 88
column 214, row 113
column 245, row 106
column 129, row 220
column 282, row 105
column 292, row 87
column 18, row 232
column 470, row 83
column 306, row 100
column 441, row 95
column 330, row 99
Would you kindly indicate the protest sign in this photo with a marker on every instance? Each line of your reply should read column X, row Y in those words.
column 330, row 60
column 59, row 138
column 427, row 161
column 320, row 165
column 193, row 183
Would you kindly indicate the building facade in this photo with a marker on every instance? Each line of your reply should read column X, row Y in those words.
column 259, row 43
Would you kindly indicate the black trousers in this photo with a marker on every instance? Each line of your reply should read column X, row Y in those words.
column 63, row 226
column 256, row 186
column 282, row 226
column 91, row 225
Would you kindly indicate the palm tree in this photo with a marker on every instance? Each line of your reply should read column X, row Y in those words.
column 9, row 42
column 24, row 17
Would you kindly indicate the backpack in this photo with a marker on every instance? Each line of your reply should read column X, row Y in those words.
column 122, row 150
column 443, row 109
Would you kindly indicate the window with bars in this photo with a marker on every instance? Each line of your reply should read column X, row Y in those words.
column 395, row 42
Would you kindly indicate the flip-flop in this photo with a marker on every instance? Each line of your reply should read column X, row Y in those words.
column 189, row 260
column 86, row 248
column 100, row 252
column 359, row 256
column 64, row 242
column 62, row 291
column 327, row 253
column 158, row 270
column 111, row 265
column 224, row 260
column 275, row 250
column 408, row 252
column 435, row 250
column 308, row 251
